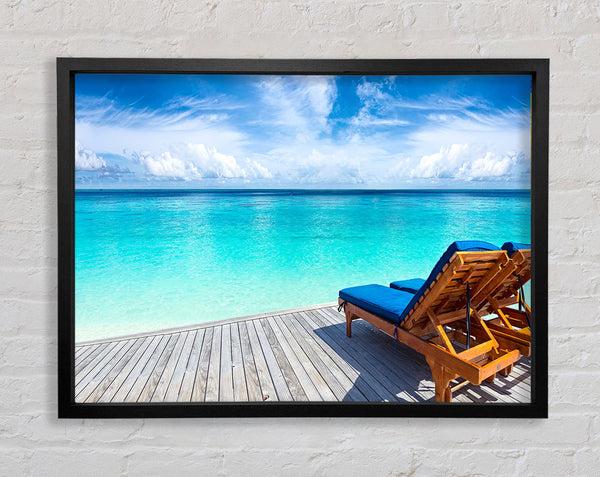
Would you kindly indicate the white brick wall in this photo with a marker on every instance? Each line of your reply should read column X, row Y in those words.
column 34, row 442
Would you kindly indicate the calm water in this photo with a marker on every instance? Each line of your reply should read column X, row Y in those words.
column 147, row 260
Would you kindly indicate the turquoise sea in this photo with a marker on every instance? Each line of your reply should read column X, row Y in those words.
column 147, row 260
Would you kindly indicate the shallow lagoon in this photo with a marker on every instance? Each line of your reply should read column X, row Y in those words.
column 147, row 260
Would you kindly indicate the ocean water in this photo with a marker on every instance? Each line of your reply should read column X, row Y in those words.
column 147, row 260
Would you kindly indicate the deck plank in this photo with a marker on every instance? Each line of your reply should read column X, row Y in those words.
column 426, row 387
column 309, row 388
column 368, row 386
column 326, row 392
column 414, row 380
column 408, row 367
column 293, row 355
column 226, row 373
column 90, row 362
column 106, row 381
column 250, row 372
column 214, row 366
column 281, row 386
column 135, row 374
column 81, row 363
column 366, row 369
column 240, row 388
column 142, row 378
column 179, row 369
column 82, row 351
column 343, row 373
column 125, row 375
column 201, row 378
column 158, row 394
column 267, row 386
column 292, row 381
column 187, row 382
column 102, row 367
column 88, row 384
column 157, row 371
column 383, row 363
column 326, row 366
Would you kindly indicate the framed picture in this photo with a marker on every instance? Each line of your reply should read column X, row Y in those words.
column 302, row 237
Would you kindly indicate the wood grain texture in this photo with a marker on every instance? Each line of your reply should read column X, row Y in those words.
column 298, row 355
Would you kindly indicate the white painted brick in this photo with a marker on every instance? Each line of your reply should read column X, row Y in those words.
column 575, row 204
column 472, row 461
column 557, row 48
column 43, row 15
column 574, row 351
column 592, row 132
column 27, row 316
column 21, row 399
column 563, row 92
column 568, row 127
column 192, row 462
column 585, row 48
column 570, row 274
column 587, row 461
column 576, row 389
column 32, row 169
column 33, row 283
column 332, row 16
column 34, row 33
column 432, row 15
column 575, row 430
column 15, row 461
column 28, row 208
column 381, row 17
column 572, row 312
column 477, row 17
column 547, row 462
column 89, row 462
column 24, row 347
column 574, row 165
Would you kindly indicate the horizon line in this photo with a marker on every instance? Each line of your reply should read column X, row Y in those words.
column 302, row 190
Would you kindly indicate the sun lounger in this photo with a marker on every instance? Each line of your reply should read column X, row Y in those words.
column 510, row 322
column 438, row 319
column 509, row 325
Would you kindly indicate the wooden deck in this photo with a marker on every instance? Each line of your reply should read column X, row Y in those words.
column 293, row 355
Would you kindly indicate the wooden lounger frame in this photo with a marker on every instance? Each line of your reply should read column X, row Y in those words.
column 436, row 325
column 509, row 322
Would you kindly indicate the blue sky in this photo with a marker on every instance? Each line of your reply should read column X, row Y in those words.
column 245, row 131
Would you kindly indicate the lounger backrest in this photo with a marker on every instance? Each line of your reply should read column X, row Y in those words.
column 512, row 247
column 444, row 291
column 520, row 255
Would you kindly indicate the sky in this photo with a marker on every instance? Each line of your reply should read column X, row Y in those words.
column 306, row 132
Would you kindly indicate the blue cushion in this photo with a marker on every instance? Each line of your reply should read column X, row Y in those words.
column 412, row 286
column 512, row 247
column 394, row 304
column 460, row 246
column 379, row 300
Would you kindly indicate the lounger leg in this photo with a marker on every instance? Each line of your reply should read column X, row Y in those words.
column 348, row 325
column 441, row 378
column 506, row 371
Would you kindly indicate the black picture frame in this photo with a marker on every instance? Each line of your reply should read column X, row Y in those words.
column 66, row 70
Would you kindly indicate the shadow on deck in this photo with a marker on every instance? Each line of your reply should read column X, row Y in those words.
column 292, row 355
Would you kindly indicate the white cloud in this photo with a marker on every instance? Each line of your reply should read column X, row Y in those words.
column 489, row 166
column 105, row 110
column 302, row 104
column 86, row 160
column 197, row 161
column 469, row 163
column 378, row 106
